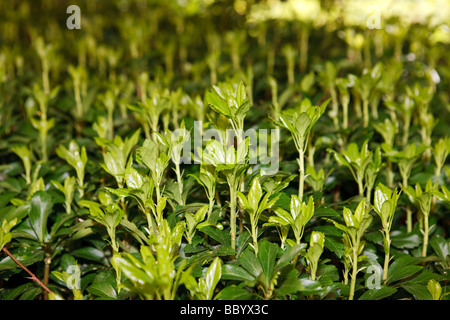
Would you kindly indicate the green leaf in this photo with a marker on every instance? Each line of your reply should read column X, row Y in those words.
column 289, row 254
column 90, row 253
column 302, row 124
column 255, row 194
column 418, row 290
column 441, row 246
column 149, row 153
column 235, row 272
column 267, row 254
column 251, row 263
column 435, row 289
column 405, row 240
column 41, row 205
column 402, row 268
column 217, row 102
column 378, row 294
column 235, row 292
column 104, row 286
column 223, row 237
column 349, row 219
column 208, row 284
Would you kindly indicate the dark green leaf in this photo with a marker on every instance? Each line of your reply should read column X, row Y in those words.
column 378, row 294
column 235, row 272
column 402, row 268
column 41, row 206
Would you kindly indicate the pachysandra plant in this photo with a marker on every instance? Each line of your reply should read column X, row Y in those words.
column 356, row 223
column 316, row 179
column 195, row 221
column 343, row 87
column 387, row 130
column 299, row 215
column 107, row 213
column 255, row 204
column 72, row 280
column 385, row 205
column 156, row 157
column 77, row 158
column 104, row 196
column 231, row 100
column 149, row 111
column 300, row 124
column 356, row 160
column 152, row 276
column 43, row 124
column 78, row 75
column 406, row 160
column 365, row 86
column 329, row 76
column 25, row 154
column 231, row 162
column 315, row 249
column 372, row 171
column 441, row 150
column 205, row 287
column 207, row 178
column 178, row 140
column 422, row 199
column 405, row 109
column 68, row 189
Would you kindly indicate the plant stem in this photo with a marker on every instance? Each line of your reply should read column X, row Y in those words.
column 425, row 235
column 345, row 116
column 386, row 255
column 48, row 261
column 233, row 216
column 365, row 113
column 408, row 219
column 304, row 39
column 211, row 206
column 390, row 174
column 301, row 163
column 255, row 235
column 33, row 276
column 360, row 187
column 354, row 271
column 406, row 129
column 179, row 181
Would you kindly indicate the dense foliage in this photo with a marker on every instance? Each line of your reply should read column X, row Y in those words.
column 100, row 200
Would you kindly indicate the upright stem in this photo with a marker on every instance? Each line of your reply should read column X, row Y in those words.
column 180, row 182
column 255, row 235
column 386, row 255
column 44, row 144
column 408, row 219
column 304, row 39
column 406, row 129
column 111, row 124
column 301, row 162
column 211, row 206
column 354, row 271
column 390, row 174
column 233, row 216
column 48, row 261
column 365, row 113
column 425, row 235
column 360, row 187
column 45, row 79
column 345, row 115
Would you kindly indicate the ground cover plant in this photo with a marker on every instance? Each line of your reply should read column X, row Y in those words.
column 201, row 149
